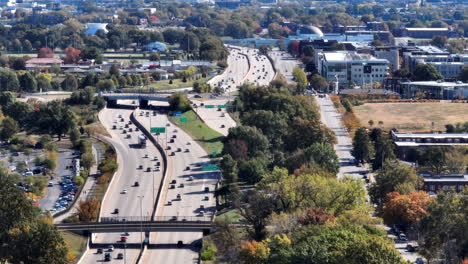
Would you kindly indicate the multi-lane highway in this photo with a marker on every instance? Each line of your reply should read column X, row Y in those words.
column 131, row 191
column 188, row 189
column 261, row 71
column 234, row 74
column 244, row 65
column 185, row 162
column 284, row 63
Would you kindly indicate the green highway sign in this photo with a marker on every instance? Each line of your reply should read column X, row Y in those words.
column 210, row 168
column 158, row 130
column 222, row 106
column 183, row 120
column 214, row 154
column 209, row 106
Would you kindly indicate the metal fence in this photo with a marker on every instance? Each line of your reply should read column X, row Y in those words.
column 120, row 219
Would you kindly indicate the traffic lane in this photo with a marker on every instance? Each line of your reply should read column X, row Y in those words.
column 331, row 118
column 234, row 74
column 284, row 63
column 128, row 203
column 194, row 190
column 219, row 121
column 91, row 256
column 116, row 238
column 170, row 255
column 131, row 174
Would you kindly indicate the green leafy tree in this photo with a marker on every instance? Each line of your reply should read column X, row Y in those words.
column 53, row 118
column 308, row 50
column 9, row 128
column 362, row 148
column 92, row 53
column 336, row 244
column 394, row 176
column 179, row 102
column 8, row 80
column 19, row 111
column 105, row 85
column 443, row 232
column 70, row 83
column 87, row 160
column 27, row 82
column 74, row 135
column 383, row 148
column 324, row 155
column 426, row 72
column 319, row 83
column 256, row 207
column 25, row 238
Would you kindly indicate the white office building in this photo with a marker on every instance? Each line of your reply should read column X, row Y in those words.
column 351, row 67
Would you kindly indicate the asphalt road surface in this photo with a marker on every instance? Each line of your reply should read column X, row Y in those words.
column 130, row 157
column 213, row 118
column 235, row 72
column 193, row 193
column 284, row 63
column 261, row 71
column 332, row 119
column 65, row 157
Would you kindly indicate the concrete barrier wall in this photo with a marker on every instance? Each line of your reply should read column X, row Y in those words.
column 163, row 155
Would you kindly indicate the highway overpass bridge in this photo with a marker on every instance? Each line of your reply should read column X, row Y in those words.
column 137, row 224
column 142, row 98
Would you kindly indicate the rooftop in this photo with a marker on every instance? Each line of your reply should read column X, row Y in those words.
column 340, row 56
column 44, row 61
column 437, row 84
column 447, row 178
column 429, row 135
column 427, row 29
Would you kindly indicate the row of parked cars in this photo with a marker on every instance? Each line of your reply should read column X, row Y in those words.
column 66, row 197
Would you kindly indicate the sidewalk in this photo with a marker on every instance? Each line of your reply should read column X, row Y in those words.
column 89, row 186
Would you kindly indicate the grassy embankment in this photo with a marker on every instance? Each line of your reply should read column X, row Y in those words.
column 209, row 139
column 77, row 243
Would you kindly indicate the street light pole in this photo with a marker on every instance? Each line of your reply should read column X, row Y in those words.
column 141, row 220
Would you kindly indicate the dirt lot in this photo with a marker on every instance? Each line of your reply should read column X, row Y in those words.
column 412, row 116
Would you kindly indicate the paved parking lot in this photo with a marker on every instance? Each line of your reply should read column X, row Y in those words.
column 52, row 194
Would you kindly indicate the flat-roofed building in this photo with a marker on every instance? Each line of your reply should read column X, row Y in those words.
column 446, row 182
column 426, row 33
column 406, row 142
column 435, row 90
column 352, row 67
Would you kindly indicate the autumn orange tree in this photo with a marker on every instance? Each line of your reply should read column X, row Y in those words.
column 88, row 210
column 72, row 55
column 406, row 209
column 45, row 53
column 253, row 252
